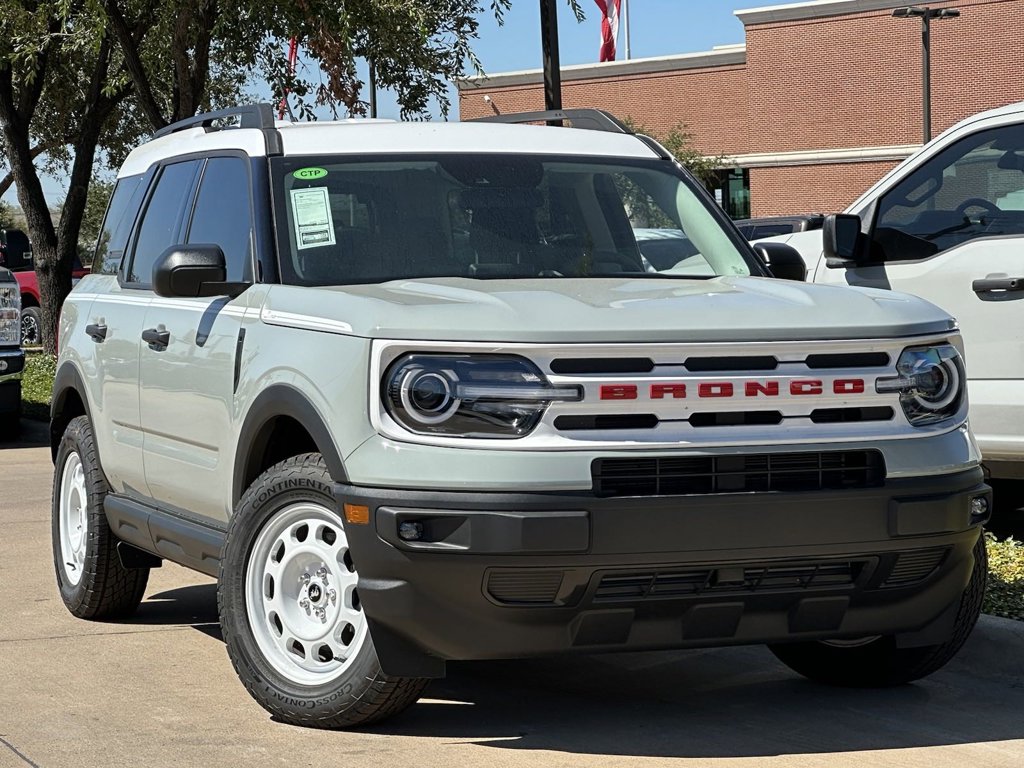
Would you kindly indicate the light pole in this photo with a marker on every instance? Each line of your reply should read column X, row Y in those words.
column 926, row 15
column 549, row 46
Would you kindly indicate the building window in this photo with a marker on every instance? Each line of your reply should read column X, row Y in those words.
column 731, row 190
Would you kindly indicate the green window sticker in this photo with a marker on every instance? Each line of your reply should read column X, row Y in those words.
column 308, row 174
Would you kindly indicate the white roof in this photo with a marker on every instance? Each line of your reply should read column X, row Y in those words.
column 365, row 137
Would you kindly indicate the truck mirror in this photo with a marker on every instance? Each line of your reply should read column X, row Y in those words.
column 842, row 240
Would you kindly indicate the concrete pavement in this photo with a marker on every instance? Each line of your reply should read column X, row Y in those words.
column 160, row 691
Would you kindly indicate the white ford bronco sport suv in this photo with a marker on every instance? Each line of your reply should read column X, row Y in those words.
column 411, row 393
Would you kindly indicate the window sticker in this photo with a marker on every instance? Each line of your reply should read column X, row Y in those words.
column 311, row 210
column 309, row 174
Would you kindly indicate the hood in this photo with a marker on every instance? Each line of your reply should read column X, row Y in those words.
column 605, row 310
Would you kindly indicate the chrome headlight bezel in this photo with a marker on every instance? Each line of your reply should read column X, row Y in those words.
column 460, row 395
column 931, row 382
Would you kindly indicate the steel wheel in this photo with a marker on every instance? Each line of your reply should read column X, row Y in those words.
column 301, row 598
column 73, row 518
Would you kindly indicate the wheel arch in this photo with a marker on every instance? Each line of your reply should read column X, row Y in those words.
column 69, row 401
column 281, row 422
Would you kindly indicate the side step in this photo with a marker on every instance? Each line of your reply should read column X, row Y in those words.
column 186, row 542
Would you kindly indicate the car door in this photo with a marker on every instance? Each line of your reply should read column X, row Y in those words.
column 952, row 232
column 187, row 384
column 118, row 311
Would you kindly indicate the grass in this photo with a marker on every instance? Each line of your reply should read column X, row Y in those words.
column 1005, row 596
column 37, row 385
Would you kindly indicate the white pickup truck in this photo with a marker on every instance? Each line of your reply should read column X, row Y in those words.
column 947, row 224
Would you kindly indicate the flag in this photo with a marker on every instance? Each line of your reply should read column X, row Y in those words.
column 609, row 27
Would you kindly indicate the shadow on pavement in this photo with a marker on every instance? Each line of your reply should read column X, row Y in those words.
column 32, row 434
column 194, row 605
column 730, row 702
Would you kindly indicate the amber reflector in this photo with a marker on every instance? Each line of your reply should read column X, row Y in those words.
column 357, row 514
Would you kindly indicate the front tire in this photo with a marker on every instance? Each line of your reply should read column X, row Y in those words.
column 878, row 662
column 93, row 582
column 289, row 606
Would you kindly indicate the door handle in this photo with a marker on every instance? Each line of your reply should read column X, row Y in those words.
column 156, row 339
column 987, row 284
column 96, row 331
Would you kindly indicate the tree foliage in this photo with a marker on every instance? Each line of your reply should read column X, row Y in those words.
column 81, row 79
column 679, row 141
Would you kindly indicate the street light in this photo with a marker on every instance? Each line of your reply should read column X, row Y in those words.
column 926, row 15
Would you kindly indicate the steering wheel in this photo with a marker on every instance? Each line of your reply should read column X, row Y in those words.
column 977, row 202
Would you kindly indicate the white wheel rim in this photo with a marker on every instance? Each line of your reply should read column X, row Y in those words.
column 301, row 598
column 73, row 518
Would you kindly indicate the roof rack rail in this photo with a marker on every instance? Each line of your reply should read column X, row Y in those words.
column 250, row 116
column 588, row 119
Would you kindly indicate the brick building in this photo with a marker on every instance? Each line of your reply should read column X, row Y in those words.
column 820, row 102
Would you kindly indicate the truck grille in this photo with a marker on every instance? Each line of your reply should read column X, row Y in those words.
column 716, row 579
column 790, row 472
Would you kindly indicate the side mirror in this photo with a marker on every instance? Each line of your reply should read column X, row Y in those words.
column 192, row 271
column 842, row 240
column 784, row 261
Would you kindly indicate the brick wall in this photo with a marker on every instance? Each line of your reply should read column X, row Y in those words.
column 855, row 80
column 657, row 101
column 827, row 83
column 796, row 189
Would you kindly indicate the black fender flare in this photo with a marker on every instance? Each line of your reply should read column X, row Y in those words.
column 283, row 400
column 67, row 378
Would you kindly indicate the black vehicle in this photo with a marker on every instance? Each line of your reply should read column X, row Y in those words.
column 769, row 226
column 15, row 251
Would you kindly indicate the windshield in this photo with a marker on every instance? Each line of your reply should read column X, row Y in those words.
column 343, row 221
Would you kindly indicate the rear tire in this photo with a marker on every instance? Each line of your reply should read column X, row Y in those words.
column 93, row 583
column 289, row 607
column 878, row 663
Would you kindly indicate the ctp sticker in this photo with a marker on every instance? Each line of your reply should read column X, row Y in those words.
column 311, row 210
column 310, row 174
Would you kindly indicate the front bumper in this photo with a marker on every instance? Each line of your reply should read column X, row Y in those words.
column 512, row 575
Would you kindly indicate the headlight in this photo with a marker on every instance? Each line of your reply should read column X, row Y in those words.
column 10, row 314
column 930, row 383
column 469, row 395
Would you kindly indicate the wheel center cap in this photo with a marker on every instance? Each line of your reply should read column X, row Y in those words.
column 315, row 593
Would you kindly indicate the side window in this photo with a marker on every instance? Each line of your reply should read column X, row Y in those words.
column 222, row 214
column 117, row 224
column 162, row 218
column 974, row 188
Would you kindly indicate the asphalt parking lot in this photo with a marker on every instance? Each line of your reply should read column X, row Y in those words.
column 160, row 690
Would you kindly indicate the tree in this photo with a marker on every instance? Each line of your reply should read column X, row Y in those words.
column 679, row 141
column 100, row 191
column 85, row 77
column 6, row 215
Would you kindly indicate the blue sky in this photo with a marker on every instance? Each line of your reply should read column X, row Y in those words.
column 657, row 28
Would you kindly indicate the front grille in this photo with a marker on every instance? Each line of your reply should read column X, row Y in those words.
column 915, row 566
column 670, row 583
column 790, row 472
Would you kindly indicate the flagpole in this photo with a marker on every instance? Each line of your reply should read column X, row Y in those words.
column 625, row 21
